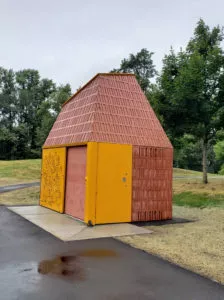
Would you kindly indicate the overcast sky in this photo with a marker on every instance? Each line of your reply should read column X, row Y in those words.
column 72, row 40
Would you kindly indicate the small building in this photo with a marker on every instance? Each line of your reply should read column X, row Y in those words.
column 107, row 158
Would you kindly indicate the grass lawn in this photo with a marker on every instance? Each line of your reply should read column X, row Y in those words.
column 197, row 246
column 183, row 173
column 19, row 171
column 201, row 200
column 193, row 193
column 27, row 196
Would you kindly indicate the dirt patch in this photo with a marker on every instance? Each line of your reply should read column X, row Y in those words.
column 197, row 246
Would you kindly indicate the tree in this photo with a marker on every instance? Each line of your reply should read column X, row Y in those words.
column 187, row 154
column 8, row 101
column 28, row 108
column 61, row 94
column 48, row 112
column 219, row 150
column 219, row 153
column 32, row 93
column 141, row 65
column 192, row 87
column 8, row 112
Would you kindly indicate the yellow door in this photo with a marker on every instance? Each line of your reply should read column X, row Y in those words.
column 53, row 179
column 114, row 183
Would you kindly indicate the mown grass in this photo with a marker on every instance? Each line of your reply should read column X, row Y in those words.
column 190, row 199
column 197, row 246
column 19, row 171
column 27, row 196
column 182, row 172
column 195, row 185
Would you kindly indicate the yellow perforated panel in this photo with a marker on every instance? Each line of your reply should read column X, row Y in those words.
column 53, row 179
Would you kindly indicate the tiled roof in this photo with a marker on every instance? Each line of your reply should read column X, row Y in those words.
column 109, row 108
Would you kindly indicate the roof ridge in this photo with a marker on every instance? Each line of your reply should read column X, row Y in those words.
column 93, row 78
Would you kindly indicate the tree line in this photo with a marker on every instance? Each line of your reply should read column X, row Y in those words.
column 187, row 96
column 29, row 106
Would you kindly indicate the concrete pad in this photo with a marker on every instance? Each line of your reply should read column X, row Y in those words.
column 33, row 210
column 67, row 228
column 109, row 230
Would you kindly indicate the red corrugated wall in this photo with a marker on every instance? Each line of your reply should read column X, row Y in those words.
column 152, row 183
column 75, row 182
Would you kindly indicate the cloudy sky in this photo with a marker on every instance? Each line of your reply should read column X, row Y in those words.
column 72, row 40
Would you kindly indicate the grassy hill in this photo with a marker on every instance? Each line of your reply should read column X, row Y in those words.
column 19, row 171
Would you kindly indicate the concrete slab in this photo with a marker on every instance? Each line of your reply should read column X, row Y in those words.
column 110, row 230
column 31, row 210
column 67, row 228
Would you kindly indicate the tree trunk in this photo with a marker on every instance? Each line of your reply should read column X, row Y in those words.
column 204, row 162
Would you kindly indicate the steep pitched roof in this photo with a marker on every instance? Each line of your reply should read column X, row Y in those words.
column 109, row 108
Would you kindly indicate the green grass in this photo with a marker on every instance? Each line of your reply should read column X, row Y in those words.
column 183, row 172
column 28, row 196
column 19, row 171
column 190, row 199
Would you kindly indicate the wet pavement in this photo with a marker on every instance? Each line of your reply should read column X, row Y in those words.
column 36, row 265
column 10, row 188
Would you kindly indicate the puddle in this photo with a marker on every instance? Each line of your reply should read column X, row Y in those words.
column 62, row 266
column 99, row 253
column 70, row 266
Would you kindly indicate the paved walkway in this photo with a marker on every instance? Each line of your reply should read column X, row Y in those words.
column 68, row 229
column 10, row 188
column 91, row 269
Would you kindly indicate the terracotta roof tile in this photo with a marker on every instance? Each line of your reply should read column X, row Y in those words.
column 110, row 108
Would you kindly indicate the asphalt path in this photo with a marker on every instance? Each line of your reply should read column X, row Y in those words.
column 36, row 265
column 10, row 188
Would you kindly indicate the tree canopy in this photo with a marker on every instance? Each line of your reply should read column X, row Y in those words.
column 140, row 64
column 190, row 89
column 28, row 108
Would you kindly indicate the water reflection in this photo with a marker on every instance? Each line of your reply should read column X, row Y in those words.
column 70, row 266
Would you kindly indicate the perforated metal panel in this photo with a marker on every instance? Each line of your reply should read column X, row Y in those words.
column 53, row 178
